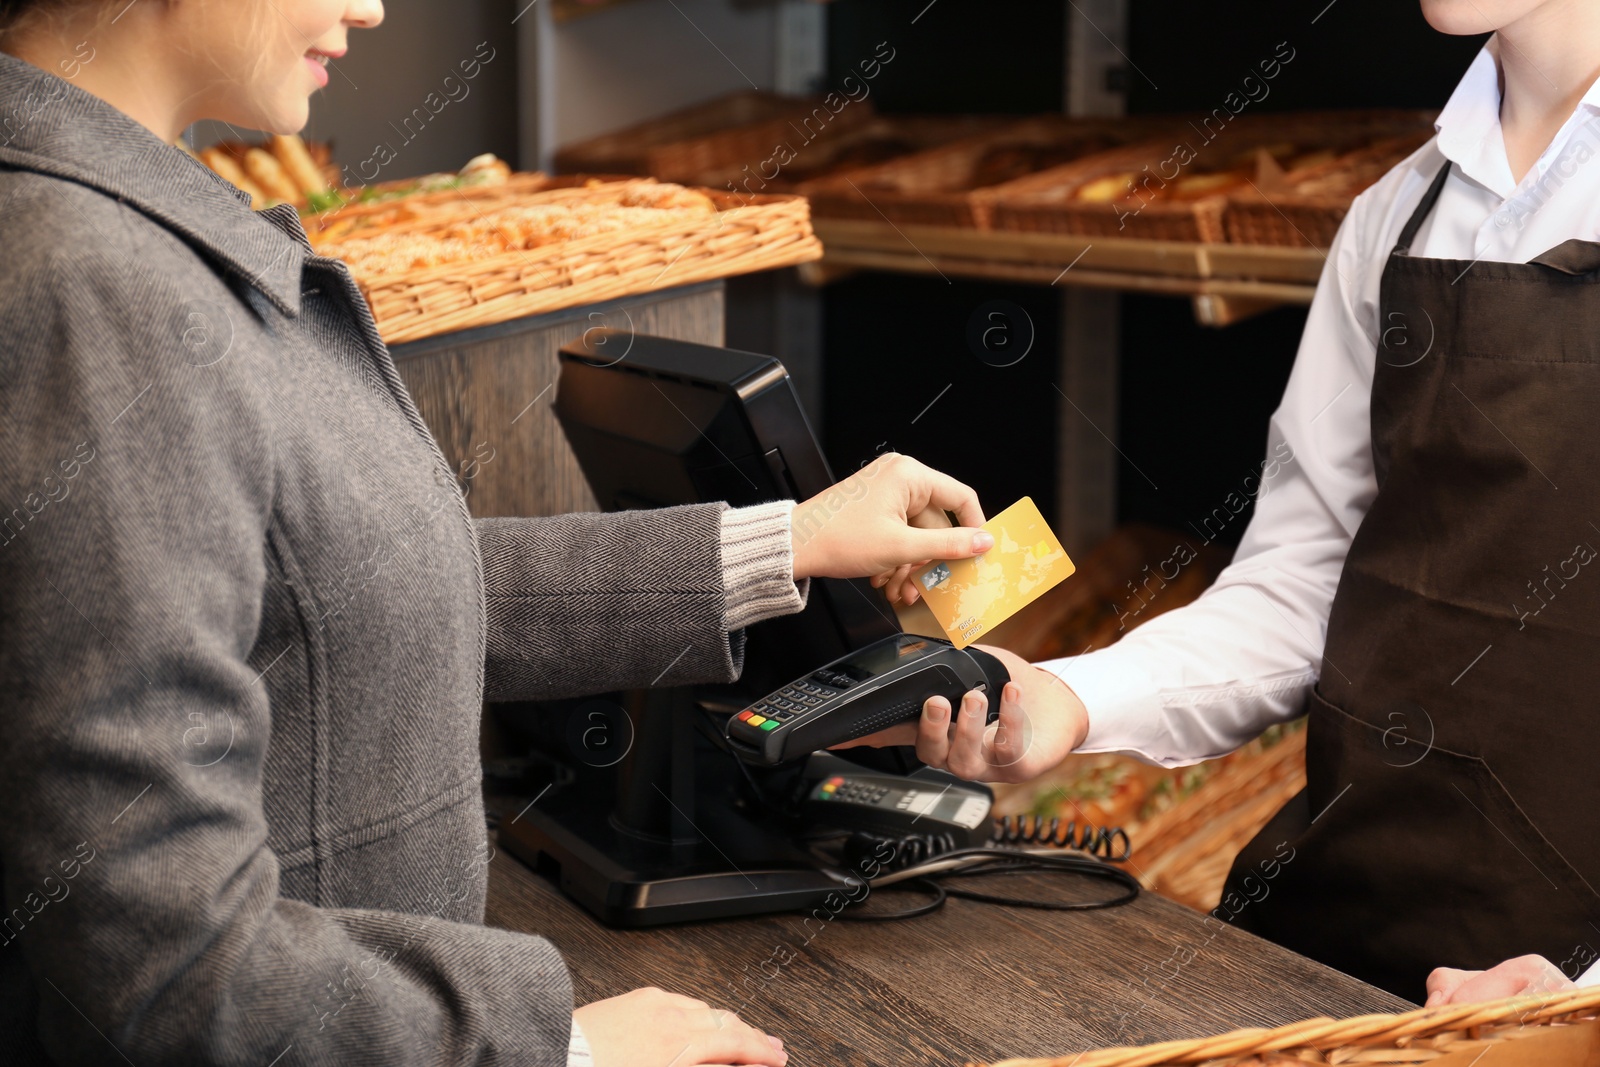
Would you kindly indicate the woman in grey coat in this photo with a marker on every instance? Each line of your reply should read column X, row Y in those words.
column 246, row 621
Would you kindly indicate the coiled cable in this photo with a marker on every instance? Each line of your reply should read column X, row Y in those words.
column 1033, row 830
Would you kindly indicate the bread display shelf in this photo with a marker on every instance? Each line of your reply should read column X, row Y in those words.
column 735, row 236
column 708, row 143
column 1227, row 282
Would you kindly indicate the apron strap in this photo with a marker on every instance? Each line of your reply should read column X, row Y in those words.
column 1402, row 247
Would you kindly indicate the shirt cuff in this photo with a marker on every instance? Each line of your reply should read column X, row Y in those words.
column 1123, row 702
column 1589, row 977
column 758, row 565
column 578, row 1054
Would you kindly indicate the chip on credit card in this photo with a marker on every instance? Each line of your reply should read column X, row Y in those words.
column 970, row 597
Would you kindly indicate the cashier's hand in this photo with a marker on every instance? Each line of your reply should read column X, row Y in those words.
column 1523, row 976
column 1041, row 721
column 884, row 520
column 653, row 1028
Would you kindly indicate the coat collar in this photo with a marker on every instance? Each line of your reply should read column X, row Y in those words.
column 51, row 126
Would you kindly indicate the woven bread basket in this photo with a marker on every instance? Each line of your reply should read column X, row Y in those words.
column 700, row 142
column 943, row 186
column 1044, row 202
column 1307, row 212
column 1048, row 202
column 744, row 235
column 393, row 213
column 883, row 138
column 1548, row 1030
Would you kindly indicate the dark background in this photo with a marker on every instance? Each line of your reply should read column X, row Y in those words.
column 1195, row 400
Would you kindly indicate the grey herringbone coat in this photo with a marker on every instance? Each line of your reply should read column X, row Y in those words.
column 245, row 627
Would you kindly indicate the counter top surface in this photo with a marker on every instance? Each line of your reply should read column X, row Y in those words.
column 971, row 982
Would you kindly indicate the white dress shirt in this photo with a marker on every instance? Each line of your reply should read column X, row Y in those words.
column 1203, row 680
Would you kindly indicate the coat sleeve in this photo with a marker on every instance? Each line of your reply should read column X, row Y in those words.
column 142, row 910
column 588, row 602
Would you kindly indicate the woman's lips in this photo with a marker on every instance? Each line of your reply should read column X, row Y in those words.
column 317, row 63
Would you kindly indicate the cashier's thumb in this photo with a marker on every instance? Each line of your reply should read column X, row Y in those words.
column 954, row 542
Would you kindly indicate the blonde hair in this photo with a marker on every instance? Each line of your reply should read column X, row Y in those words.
column 54, row 17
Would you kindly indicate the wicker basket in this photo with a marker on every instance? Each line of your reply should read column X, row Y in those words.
column 420, row 212
column 1307, row 208
column 940, row 187
column 1043, row 203
column 861, row 147
column 1047, row 202
column 746, row 235
column 1549, row 1030
column 1185, row 852
column 704, row 141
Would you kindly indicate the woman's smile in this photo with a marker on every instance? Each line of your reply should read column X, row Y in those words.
column 317, row 62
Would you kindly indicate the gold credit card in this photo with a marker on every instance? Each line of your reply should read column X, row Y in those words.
column 970, row 597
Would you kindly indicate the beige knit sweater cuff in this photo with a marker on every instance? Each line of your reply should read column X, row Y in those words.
column 758, row 564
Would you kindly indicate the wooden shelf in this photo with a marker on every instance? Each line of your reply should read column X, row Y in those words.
column 1226, row 282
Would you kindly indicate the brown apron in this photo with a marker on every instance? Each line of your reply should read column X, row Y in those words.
column 1452, row 811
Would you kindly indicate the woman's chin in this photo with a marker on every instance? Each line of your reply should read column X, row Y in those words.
column 287, row 116
column 287, row 113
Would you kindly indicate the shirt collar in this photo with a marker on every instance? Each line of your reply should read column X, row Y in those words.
column 1469, row 126
column 51, row 126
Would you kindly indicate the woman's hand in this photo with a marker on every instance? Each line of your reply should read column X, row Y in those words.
column 1041, row 721
column 1523, row 976
column 653, row 1028
column 884, row 520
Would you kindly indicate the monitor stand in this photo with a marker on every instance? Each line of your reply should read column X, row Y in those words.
column 672, row 838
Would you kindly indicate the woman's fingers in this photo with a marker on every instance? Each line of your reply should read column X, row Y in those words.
column 732, row 1040
column 941, row 492
column 895, row 588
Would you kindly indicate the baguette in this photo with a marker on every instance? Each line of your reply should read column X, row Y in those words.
column 268, row 173
column 290, row 151
column 225, row 166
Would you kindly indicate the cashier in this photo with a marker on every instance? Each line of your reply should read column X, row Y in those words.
column 1420, row 576
column 247, row 623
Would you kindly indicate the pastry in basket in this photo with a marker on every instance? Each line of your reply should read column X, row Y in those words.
column 291, row 152
column 282, row 170
column 1007, row 162
column 1108, row 188
column 519, row 227
column 666, row 196
column 485, row 169
column 1142, row 186
column 225, row 167
column 265, row 170
column 1195, row 186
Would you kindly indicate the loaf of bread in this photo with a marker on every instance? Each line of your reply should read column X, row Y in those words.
column 290, row 152
column 225, row 166
column 265, row 170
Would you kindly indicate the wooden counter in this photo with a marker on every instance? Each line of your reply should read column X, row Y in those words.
column 971, row 982
column 486, row 394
